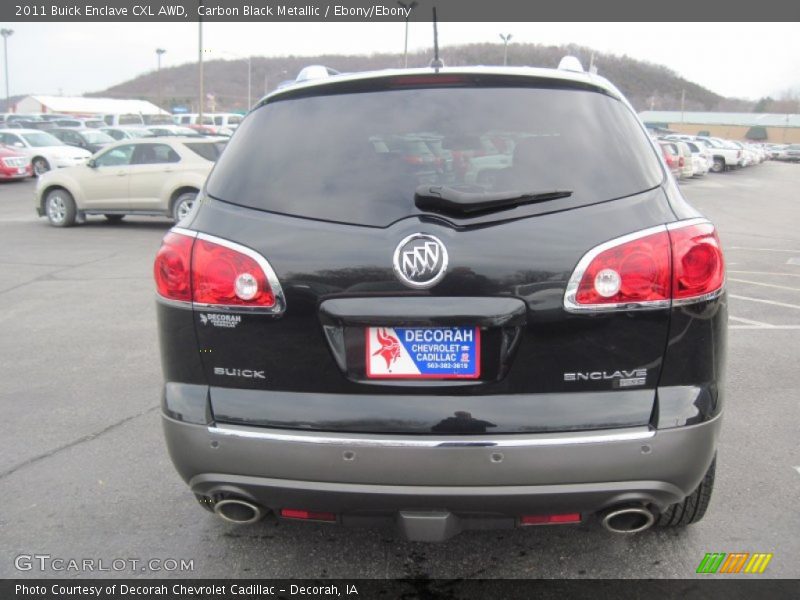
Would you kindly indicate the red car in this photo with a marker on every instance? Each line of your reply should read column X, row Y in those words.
column 14, row 165
column 672, row 157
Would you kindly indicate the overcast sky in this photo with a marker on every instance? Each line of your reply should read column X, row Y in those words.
column 746, row 60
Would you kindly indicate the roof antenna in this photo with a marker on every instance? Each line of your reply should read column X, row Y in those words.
column 437, row 63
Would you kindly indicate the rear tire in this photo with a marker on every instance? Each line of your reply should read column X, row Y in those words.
column 693, row 507
column 60, row 208
column 40, row 166
column 114, row 218
column 719, row 165
column 183, row 205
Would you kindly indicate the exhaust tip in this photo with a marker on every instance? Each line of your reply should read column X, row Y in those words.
column 238, row 511
column 631, row 519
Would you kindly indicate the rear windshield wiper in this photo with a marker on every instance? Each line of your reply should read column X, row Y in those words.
column 474, row 200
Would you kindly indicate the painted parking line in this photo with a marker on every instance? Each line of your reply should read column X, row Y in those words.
column 762, row 249
column 749, row 321
column 772, row 302
column 763, row 273
column 767, row 327
column 769, row 285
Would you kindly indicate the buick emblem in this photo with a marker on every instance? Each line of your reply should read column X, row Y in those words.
column 420, row 260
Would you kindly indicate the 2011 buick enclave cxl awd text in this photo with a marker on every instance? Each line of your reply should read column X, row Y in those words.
column 529, row 329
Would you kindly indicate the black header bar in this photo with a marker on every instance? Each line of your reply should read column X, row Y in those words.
column 391, row 10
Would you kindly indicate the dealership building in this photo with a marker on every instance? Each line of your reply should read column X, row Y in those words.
column 754, row 127
column 81, row 106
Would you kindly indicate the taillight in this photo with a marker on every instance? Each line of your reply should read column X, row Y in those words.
column 654, row 268
column 698, row 268
column 212, row 272
column 172, row 267
column 221, row 275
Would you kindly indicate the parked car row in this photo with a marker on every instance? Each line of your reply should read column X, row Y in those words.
column 785, row 152
column 42, row 149
column 213, row 124
column 693, row 156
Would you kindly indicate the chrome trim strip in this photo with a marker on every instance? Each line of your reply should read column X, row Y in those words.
column 175, row 303
column 687, row 223
column 704, row 298
column 182, row 231
column 513, row 441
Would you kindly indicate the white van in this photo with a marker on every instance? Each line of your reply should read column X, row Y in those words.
column 115, row 120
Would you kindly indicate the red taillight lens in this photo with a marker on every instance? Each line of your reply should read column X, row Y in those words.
column 307, row 515
column 682, row 262
column 550, row 519
column 636, row 271
column 171, row 268
column 698, row 264
column 221, row 275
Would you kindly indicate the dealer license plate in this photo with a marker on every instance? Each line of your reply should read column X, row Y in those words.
column 423, row 352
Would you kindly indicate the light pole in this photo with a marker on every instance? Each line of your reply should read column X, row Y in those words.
column 408, row 6
column 506, row 38
column 6, row 33
column 249, row 81
column 159, row 52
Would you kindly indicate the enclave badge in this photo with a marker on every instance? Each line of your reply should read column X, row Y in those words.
column 420, row 260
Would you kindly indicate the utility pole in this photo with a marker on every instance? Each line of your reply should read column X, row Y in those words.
column 506, row 38
column 6, row 33
column 408, row 8
column 200, row 61
column 683, row 104
column 159, row 52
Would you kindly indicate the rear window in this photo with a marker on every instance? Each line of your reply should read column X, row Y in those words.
column 208, row 150
column 359, row 157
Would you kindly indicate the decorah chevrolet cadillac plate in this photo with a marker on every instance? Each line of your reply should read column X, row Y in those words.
column 444, row 299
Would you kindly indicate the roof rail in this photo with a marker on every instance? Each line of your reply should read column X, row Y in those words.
column 570, row 63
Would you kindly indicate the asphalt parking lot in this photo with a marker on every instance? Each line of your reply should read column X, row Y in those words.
column 85, row 474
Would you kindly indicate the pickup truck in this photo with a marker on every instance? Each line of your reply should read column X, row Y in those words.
column 726, row 155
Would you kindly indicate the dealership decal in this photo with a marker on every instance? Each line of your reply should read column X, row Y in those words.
column 218, row 320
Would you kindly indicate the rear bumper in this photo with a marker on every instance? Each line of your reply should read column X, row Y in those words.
column 503, row 475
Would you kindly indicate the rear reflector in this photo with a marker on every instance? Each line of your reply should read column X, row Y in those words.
column 654, row 268
column 213, row 272
column 550, row 519
column 307, row 515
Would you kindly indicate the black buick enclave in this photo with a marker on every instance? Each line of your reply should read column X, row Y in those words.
column 453, row 298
